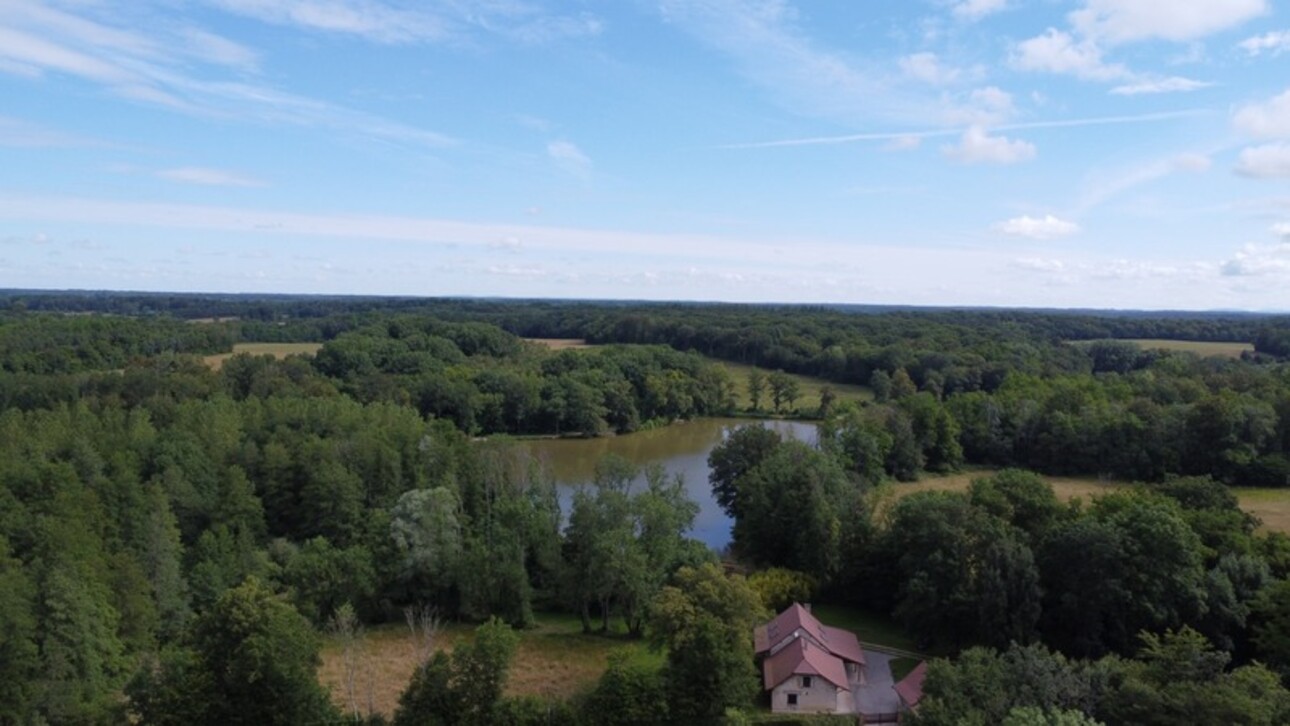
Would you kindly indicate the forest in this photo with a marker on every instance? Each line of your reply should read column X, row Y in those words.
column 177, row 541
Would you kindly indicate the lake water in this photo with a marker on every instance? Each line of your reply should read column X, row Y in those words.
column 681, row 448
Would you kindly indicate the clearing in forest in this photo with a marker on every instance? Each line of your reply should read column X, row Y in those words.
column 554, row 659
column 277, row 350
column 1271, row 506
column 809, row 400
column 561, row 343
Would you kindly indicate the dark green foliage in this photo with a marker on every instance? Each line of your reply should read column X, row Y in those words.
column 628, row 694
column 464, row 689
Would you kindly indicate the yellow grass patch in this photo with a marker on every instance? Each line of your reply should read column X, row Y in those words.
column 554, row 659
column 277, row 350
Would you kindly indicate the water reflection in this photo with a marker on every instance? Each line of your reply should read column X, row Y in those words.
column 681, row 448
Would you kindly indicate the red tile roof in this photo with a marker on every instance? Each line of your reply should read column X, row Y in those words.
column 804, row 658
column 796, row 618
column 910, row 688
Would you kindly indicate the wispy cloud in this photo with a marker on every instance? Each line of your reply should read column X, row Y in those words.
column 569, row 157
column 977, row 9
column 156, row 70
column 23, row 134
column 935, row 133
column 209, row 177
column 767, row 46
column 1107, row 186
column 382, row 21
column 1171, row 84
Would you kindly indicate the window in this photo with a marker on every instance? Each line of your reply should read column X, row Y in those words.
column 792, row 699
column 806, row 681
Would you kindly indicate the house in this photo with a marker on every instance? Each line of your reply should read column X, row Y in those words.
column 910, row 688
column 808, row 666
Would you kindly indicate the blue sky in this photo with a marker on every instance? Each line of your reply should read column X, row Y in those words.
column 1096, row 153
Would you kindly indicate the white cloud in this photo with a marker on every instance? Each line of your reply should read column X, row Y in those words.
column 1057, row 51
column 989, row 106
column 977, row 9
column 209, row 177
column 1281, row 229
column 1037, row 228
column 569, row 157
column 977, row 146
column 1171, row 84
column 1270, row 120
column 927, row 68
column 1039, row 264
column 1270, row 161
column 1122, row 21
column 1274, row 43
column 1258, row 260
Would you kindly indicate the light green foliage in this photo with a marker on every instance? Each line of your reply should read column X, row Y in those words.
column 756, row 387
column 705, row 621
column 779, row 587
column 425, row 527
column 1032, row 716
column 1021, row 498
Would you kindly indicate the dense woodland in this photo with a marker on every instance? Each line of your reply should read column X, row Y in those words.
column 175, row 540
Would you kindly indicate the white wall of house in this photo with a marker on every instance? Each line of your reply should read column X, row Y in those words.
column 820, row 697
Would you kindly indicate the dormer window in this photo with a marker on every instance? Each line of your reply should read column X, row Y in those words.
column 806, row 681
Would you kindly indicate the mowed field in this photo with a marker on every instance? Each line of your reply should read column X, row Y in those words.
column 553, row 659
column 1271, row 506
column 277, row 350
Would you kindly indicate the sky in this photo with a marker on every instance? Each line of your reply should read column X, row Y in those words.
column 1095, row 153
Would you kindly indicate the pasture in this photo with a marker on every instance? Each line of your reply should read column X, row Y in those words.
column 277, row 350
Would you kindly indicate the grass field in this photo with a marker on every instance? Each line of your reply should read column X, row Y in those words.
column 810, row 387
column 561, row 343
column 278, row 350
column 1199, row 347
column 553, row 659
column 868, row 627
column 1271, row 506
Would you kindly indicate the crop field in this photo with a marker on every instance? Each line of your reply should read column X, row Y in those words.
column 810, row 387
column 553, row 659
column 277, row 350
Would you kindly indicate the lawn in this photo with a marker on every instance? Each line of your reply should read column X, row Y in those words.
column 810, row 387
column 1271, row 506
column 553, row 659
column 277, row 350
column 869, row 627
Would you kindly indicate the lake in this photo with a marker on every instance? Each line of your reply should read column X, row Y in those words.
column 681, row 448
